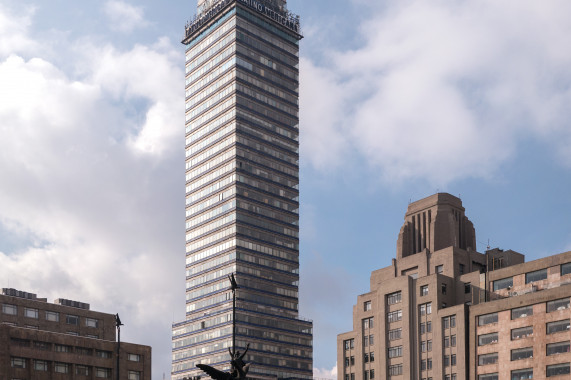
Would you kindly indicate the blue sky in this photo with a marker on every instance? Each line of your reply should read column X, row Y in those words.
column 399, row 99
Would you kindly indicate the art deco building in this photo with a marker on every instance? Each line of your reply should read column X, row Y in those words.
column 242, row 197
column 444, row 311
column 63, row 340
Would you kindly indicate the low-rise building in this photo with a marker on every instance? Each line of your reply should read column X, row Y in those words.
column 63, row 340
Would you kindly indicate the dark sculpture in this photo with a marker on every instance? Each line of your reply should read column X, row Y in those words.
column 239, row 367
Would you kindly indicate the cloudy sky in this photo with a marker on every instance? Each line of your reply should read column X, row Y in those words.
column 399, row 99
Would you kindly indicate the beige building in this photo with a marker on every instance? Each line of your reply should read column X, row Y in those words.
column 434, row 313
column 63, row 340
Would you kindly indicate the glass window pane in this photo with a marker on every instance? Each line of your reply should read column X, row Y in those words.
column 558, row 305
column 503, row 283
column 487, row 319
column 538, row 275
column 522, row 312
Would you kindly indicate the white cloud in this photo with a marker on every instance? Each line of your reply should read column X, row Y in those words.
column 90, row 185
column 324, row 373
column 446, row 90
column 13, row 30
column 124, row 17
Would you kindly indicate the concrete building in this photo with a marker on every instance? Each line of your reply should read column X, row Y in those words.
column 63, row 340
column 242, row 197
column 414, row 322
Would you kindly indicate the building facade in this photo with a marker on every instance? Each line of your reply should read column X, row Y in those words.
column 63, row 340
column 242, row 195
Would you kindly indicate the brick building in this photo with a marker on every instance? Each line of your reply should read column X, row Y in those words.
column 427, row 313
column 63, row 340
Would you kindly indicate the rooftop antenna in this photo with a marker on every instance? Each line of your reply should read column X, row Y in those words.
column 488, row 247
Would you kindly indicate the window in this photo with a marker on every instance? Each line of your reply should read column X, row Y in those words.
column 366, row 340
column 446, row 360
column 429, row 363
column 368, row 323
column 44, row 346
column 81, row 370
column 62, row 348
column 90, row 322
column 84, row 351
column 372, row 356
column 557, row 348
column 366, row 375
column 134, row 375
column 92, row 336
column 9, row 309
column 487, row 319
column 429, row 345
column 372, row 374
column 453, row 321
column 72, row 320
column 352, row 376
column 424, row 290
column 446, row 322
column 371, row 340
column 522, row 353
column 488, row 359
column 453, row 341
column 446, row 341
column 20, row 342
column 488, row 376
column 18, row 362
column 522, row 312
column 366, row 357
column 555, row 327
column 522, row 374
column 503, row 283
column 487, row 339
column 346, row 362
column 52, row 316
column 352, row 360
column 367, row 306
column 104, row 373
column 395, row 316
column 428, row 326
column 426, row 309
column 103, row 354
column 422, row 328
column 423, row 365
column 453, row 359
column 395, row 352
column 61, row 367
column 565, row 269
column 349, row 343
column 467, row 288
column 522, row 332
column 31, row 313
column 40, row 365
column 134, row 357
column 394, row 298
column 538, row 275
column 443, row 287
column 461, row 269
column 423, row 346
column 453, row 376
column 395, row 334
column 395, row 370
column 557, row 369
column 439, row 268
column 558, row 305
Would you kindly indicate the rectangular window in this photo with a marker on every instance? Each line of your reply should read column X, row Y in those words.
column 557, row 369
column 134, row 357
column 44, row 346
column 395, row 334
column 352, row 360
column 488, row 359
column 453, row 341
column 453, row 359
column 371, row 340
column 522, row 312
column 428, row 326
column 395, row 352
column 9, row 309
column 395, row 370
column 439, row 268
column 559, row 326
column 81, row 370
column 367, row 306
column 522, row 332
column 487, row 339
column 423, row 365
column 394, row 298
column 565, row 269
column 31, row 313
column 461, row 269
column 443, row 287
column 537, row 275
column 446, row 322
column 366, row 340
column 372, row 356
column 18, row 362
column 104, row 373
column 103, row 354
column 368, row 323
column 424, row 290
column 429, row 364
column 84, row 351
column 522, row 374
column 446, row 341
column 422, row 328
column 20, row 342
column 453, row 376
column 488, row 376
column 453, row 321
column 423, row 346
column 395, row 316
column 372, row 374
column 61, row 367
column 426, row 309
column 52, row 316
column 62, row 348
column 467, row 288
column 366, row 357
column 522, row 353
column 40, row 365
column 446, row 360
column 346, row 362
column 556, row 305
column 504, row 283
column 72, row 320
column 557, row 348
column 429, row 345
column 134, row 375
column 487, row 319
column 90, row 322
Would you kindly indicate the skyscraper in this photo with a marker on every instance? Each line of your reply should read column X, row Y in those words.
column 242, row 197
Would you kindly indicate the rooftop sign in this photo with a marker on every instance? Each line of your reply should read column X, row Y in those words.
column 284, row 18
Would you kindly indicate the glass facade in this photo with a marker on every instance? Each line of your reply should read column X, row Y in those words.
column 242, row 194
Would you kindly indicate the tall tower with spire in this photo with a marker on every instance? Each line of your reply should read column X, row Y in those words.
column 242, row 194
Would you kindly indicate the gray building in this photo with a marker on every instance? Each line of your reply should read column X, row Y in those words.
column 242, row 197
